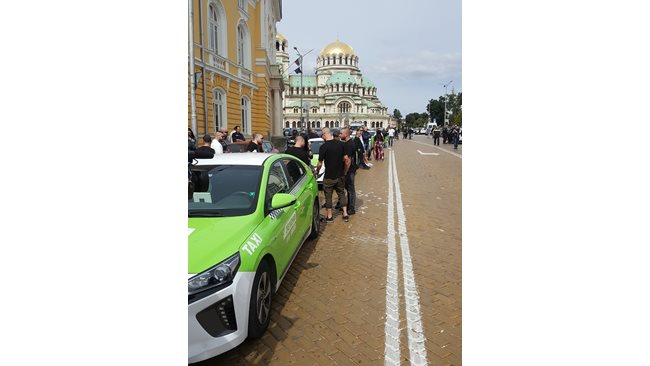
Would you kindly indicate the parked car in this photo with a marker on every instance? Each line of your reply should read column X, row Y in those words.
column 240, row 146
column 248, row 216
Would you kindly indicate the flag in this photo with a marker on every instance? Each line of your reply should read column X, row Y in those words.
column 297, row 61
column 298, row 71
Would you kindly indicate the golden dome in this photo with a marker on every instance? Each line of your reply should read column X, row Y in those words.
column 336, row 48
column 280, row 37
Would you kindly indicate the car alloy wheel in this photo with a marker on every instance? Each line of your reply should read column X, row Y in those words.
column 263, row 298
column 259, row 312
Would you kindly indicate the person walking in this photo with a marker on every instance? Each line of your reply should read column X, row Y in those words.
column 379, row 146
column 365, row 136
column 436, row 135
column 363, row 160
column 350, row 150
column 333, row 155
column 454, row 136
column 391, row 135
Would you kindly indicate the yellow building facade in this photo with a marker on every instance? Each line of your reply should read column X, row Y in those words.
column 238, row 81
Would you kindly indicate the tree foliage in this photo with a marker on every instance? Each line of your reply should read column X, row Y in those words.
column 416, row 120
column 397, row 114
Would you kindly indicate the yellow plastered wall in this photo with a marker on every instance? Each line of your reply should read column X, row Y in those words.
column 260, row 117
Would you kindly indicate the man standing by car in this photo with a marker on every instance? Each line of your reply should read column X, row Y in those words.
column 236, row 135
column 298, row 150
column 350, row 150
column 337, row 165
column 256, row 144
column 205, row 151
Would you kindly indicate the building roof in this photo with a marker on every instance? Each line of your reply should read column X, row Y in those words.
column 307, row 81
column 336, row 48
column 371, row 104
column 280, row 37
column 296, row 103
column 341, row 78
column 367, row 82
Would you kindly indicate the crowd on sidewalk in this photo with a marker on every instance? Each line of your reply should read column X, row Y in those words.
column 343, row 152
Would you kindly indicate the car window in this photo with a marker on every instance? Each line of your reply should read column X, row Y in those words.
column 295, row 170
column 277, row 182
column 224, row 190
column 315, row 146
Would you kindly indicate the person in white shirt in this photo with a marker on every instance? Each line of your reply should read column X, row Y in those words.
column 391, row 135
column 216, row 144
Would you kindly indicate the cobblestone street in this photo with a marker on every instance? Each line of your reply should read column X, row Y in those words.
column 331, row 307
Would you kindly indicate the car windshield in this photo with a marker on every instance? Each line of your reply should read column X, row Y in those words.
column 315, row 146
column 223, row 190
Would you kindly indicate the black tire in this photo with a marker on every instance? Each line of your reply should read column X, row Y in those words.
column 315, row 221
column 258, row 320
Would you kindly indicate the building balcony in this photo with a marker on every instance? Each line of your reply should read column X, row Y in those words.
column 216, row 61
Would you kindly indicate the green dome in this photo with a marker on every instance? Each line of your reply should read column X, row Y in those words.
column 341, row 78
column 371, row 104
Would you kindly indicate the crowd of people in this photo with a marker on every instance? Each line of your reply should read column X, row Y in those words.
column 450, row 135
column 342, row 154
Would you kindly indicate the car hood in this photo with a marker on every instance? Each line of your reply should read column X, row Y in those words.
column 213, row 239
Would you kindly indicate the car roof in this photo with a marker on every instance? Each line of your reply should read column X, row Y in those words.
column 316, row 139
column 236, row 159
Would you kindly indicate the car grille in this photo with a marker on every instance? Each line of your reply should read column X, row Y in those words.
column 219, row 319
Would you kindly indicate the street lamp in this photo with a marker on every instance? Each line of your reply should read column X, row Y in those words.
column 446, row 96
column 302, row 121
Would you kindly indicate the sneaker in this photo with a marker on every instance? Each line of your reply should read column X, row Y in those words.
column 346, row 218
column 351, row 212
column 329, row 219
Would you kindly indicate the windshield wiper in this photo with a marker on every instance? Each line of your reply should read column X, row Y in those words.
column 206, row 214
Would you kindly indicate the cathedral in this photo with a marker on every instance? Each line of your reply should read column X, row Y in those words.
column 337, row 96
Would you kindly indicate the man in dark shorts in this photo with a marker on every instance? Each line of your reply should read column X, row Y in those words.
column 352, row 151
column 336, row 167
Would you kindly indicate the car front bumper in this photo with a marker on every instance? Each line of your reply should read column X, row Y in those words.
column 203, row 345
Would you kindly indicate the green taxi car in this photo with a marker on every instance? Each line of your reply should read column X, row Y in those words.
column 248, row 216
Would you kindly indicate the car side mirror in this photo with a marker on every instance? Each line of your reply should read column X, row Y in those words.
column 282, row 200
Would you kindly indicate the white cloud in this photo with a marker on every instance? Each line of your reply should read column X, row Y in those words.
column 422, row 65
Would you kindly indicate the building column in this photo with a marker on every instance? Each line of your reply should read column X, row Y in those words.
column 277, row 113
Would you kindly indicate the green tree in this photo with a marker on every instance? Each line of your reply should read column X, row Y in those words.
column 436, row 109
column 397, row 114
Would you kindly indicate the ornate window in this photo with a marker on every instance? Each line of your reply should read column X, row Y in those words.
column 373, row 125
column 337, row 123
column 213, row 29
column 246, row 115
column 287, row 124
column 318, row 124
column 293, row 124
column 218, row 108
column 314, row 110
column 295, row 110
column 344, row 107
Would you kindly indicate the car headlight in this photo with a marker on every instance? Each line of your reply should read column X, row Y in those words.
column 223, row 272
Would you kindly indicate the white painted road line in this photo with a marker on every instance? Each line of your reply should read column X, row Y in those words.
column 418, row 352
column 421, row 153
column 392, row 332
column 437, row 147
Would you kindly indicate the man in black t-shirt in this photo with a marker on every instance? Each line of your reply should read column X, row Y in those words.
column 256, row 144
column 350, row 150
column 298, row 150
column 336, row 167
column 205, row 151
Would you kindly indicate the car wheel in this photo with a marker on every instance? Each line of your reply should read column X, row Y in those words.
column 259, row 313
column 315, row 221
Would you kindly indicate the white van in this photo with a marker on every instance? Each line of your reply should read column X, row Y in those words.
column 430, row 126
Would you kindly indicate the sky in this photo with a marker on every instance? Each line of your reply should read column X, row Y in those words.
column 409, row 49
